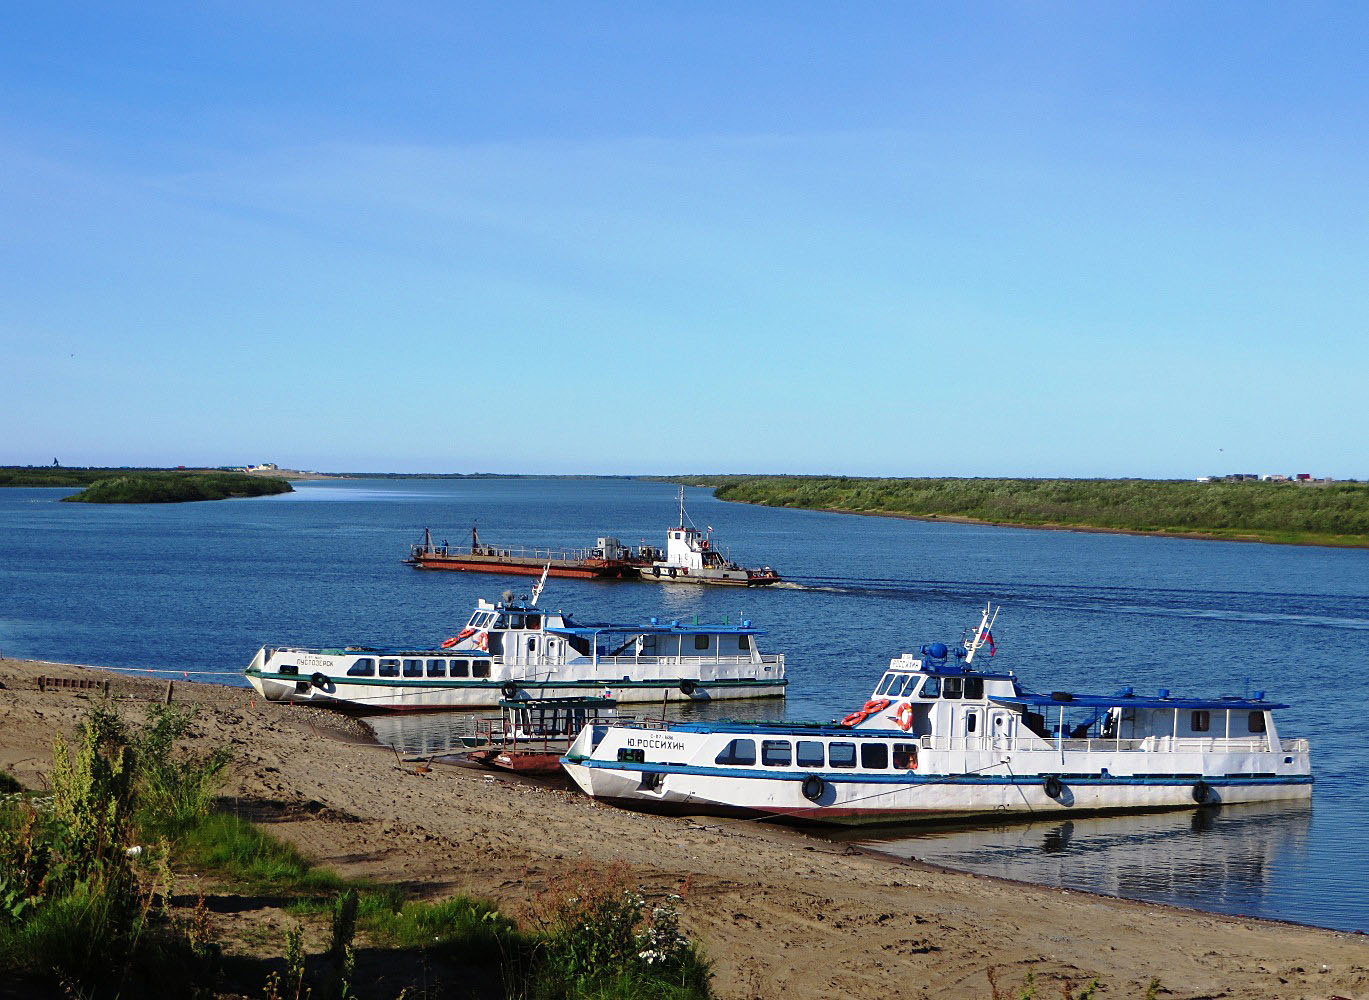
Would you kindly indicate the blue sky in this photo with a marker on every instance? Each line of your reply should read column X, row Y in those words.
column 885, row 239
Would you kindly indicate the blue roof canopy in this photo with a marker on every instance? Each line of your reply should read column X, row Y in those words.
column 650, row 629
column 1032, row 700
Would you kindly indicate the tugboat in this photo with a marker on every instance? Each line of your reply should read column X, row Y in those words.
column 608, row 560
column 511, row 649
column 941, row 739
column 692, row 557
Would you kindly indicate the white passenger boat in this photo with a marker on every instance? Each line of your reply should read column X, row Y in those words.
column 512, row 649
column 691, row 556
column 940, row 739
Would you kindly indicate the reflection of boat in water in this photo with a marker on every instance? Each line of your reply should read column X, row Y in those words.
column 941, row 739
column 1217, row 858
column 691, row 556
column 513, row 649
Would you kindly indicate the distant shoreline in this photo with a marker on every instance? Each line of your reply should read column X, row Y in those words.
column 1085, row 528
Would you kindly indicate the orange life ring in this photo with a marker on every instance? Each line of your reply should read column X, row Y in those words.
column 854, row 719
column 903, row 716
column 449, row 643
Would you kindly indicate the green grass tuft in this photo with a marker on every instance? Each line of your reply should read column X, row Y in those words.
column 238, row 852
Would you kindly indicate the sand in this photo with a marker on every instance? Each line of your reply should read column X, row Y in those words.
column 781, row 914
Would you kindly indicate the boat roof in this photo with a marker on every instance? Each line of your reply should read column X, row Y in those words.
column 1065, row 699
column 655, row 628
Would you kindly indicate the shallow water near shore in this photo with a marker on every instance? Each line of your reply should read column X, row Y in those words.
column 196, row 588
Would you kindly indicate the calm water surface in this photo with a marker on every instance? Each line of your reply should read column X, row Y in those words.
column 198, row 587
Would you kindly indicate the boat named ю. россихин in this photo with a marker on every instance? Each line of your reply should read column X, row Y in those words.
column 940, row 739
column 512, row 649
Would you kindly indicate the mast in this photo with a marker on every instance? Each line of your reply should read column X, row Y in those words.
column 682, row 508
column 986, row 619
column 537, row 588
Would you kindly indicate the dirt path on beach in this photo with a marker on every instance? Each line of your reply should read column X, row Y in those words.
column 779, row 913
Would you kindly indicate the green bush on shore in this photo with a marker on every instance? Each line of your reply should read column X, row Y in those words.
column 178, row 487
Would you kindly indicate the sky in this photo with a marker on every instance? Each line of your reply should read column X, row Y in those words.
column 989, row 239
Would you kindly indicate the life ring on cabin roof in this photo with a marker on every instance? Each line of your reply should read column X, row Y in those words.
column 903, row 716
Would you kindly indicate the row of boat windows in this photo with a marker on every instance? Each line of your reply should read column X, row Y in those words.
column 896, row 685
column 818, row 754
column 1201, row 722
column 488, row 619
column 366, row 667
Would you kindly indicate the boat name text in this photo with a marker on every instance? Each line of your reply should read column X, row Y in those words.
column 654, row 743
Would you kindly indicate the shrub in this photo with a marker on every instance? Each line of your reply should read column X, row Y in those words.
column 177, row 786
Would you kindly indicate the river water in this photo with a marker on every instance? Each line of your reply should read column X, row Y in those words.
column 196, row 588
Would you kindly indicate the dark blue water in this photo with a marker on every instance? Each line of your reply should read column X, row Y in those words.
column 198, row 587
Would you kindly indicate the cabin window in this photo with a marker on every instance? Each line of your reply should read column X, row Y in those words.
column 885, row 683
column 515, row 621
column 1201, row 721
column 874, row 756
column 701, row 642
column 366, row 667
column 905, row 756
column 776, row 753
column 974, row 687
column 413, row 668
column 532, row 644
column 971, row 721
column 389, row 668
column 437, row 668
column 1256, row 722
column 812, row 753
column 480, row 668
column 738, row 752
column 931, row 688
column 533, row 621
column 841, row 755
column 461, row 668
column 953, row 687
column 743, row 642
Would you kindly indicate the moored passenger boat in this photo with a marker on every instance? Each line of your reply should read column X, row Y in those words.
column 512, row 649
column 941, row 739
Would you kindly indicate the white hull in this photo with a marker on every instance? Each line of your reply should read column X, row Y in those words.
column 649, row 683
column 679, row 774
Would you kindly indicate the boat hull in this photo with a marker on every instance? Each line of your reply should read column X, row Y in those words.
column 708, row 576
column 383, row 695
column 846, row 801
column 587, row 569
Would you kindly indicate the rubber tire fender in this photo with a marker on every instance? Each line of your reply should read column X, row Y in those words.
column 688, row 687
column 1202, row 792
column 319, row 681
column 509, row 690
column 813, row 787
column 1054, row 788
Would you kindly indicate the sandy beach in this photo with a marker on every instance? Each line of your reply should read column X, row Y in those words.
column 781, row 914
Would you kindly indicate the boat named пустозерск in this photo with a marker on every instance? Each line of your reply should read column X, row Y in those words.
column 939, row 739
column 512, row 649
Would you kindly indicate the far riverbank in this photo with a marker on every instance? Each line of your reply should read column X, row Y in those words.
column 1335, row 515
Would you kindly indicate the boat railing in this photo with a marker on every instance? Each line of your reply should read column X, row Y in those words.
column 771, row 661
column 1150, row 744
column 504, row 552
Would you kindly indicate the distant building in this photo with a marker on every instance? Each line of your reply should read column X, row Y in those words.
column 1204, row 479
column 264, row 467
column 1303, row 477
column 1273, row 477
